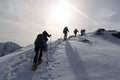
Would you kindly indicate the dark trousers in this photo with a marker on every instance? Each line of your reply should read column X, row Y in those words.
column 75, row 34
column 38, row 53
column 65, row 36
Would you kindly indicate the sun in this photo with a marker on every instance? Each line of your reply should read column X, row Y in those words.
column 60, row 13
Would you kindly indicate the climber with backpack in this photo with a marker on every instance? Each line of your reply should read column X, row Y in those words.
column 65, row 31
column 40, row 46
column 75, row 32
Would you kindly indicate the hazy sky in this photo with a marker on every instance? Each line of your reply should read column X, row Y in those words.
column 22, row 20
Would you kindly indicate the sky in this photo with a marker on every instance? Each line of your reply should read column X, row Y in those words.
column 22, row 20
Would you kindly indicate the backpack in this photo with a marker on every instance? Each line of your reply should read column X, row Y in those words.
column 65, row 30
column 40, row 40
column 75, row 31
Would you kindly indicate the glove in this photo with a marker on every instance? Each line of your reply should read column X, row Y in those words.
column 50, row 35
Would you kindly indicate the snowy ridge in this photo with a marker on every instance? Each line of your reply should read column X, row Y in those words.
column 89, row 57
column 8, row 47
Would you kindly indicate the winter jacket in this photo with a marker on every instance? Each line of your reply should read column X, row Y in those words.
column 75, row 31
column 40, row 41
column 65, row 30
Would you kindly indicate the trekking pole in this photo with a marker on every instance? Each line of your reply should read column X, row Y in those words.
column 47, row 58
column 32, row 58
column 50, row 42
column 49, row 50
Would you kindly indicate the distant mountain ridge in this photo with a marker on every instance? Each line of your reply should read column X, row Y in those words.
column 112, row 33
column 8, row 47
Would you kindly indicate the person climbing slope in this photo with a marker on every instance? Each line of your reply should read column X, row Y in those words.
column 40, row 44
column 75, row 32
column 65, row 31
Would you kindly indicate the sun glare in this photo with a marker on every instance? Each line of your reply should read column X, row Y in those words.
column 60, row 13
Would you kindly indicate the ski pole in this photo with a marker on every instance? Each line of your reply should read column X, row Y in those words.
column 47, row 56
column 50, row 42
column 32, row 58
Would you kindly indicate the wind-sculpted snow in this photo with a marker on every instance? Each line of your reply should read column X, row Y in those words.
column 87, row 57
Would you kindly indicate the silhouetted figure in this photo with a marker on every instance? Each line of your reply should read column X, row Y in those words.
column 75, row 32
column 83, row 32
column 65, row 30
column 40, row 44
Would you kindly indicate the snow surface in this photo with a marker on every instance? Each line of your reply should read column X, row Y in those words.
column 88, row 57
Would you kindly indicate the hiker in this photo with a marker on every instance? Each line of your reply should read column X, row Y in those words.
column 40, row 44
column 75, row 32
column 65, row 30
column 83, row 32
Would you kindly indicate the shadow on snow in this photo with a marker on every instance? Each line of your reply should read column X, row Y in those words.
column 76, row 63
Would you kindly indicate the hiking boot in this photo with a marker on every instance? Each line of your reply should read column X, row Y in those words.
column 40, row 61
column 34, row 66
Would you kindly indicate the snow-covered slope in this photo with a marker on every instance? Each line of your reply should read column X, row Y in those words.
column 8, row 47
column 88, row 57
